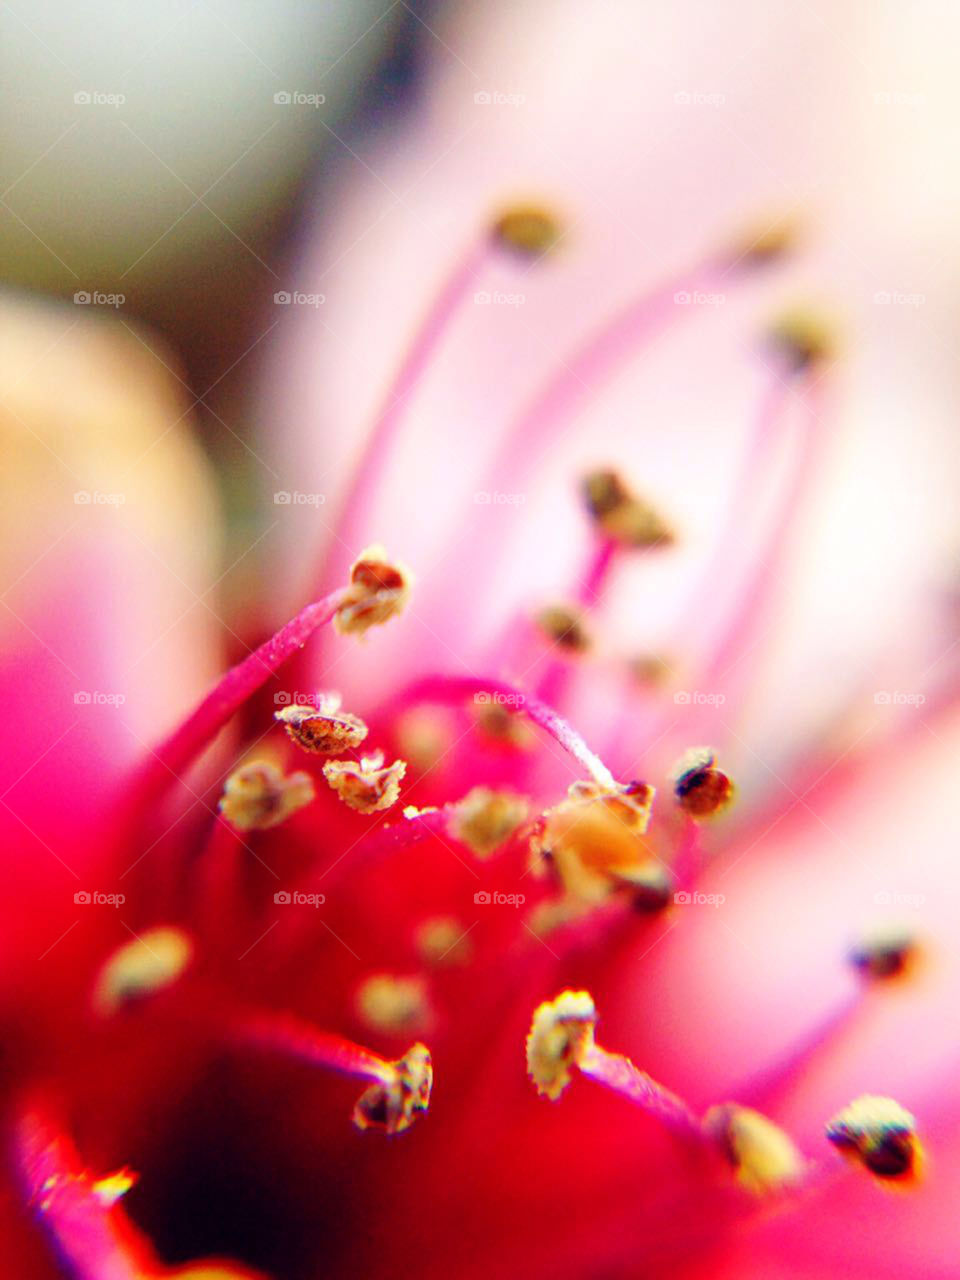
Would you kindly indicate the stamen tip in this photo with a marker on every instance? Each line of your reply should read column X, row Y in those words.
column 762, row 1156
column 880, row 1134
column 258, row 795
column 394, row 1104
column 561, row 1032
column 379, row 588
column 701, row 789
column 528, row 230
column 621, row 515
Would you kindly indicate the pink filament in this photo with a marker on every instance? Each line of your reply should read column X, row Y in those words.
column 183, row 746
column 484, row 692
column 361, row 489
column 619, row 1073
column 288, row 1036
column 95, row 1241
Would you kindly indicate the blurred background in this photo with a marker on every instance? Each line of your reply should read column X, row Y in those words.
column 156, row 159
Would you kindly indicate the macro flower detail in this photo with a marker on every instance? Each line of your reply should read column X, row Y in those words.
column 265, row 926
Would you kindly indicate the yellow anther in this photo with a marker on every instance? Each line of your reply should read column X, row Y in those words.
column 148, row 963
column 763, row 1157
column 561, row 1032
column 394, row 1104
column 527, row 229
column 395, row 1005
column 484, row 820
column 366, row 785
column 258, row 795
column 379, row 588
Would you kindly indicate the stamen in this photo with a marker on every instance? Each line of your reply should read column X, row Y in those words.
column 379, row 588
column 880, row 1134
column 457, row 289
column 699, row 787
column 366, row 785
column 395, row 1005
column 592, row 839
column 173, row 756
column 559, row 1034
column 527, row 229
column 621, row 515
column 322, row 730
column 399, row 1092
column 93, row 1237
column 564, row 628
column 804, row 337
column 763, row 1156
column 502, row 728
column 761, row 245
column 258, row 795
column 498, row 692
column 484, row 820
column 885, row 952
column 562, row 1037
column 148, row 963
column 443, row 941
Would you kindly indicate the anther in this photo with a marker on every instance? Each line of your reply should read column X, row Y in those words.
column 562, row 1037
column 366, row 785
column 378, row 589
column 592, row 839
column 395, row 1005
column 148, row 963
column 884, row 952
column 258, row 795
column 621, row 515
column 699, row 787
column 443, row 941
column 564, row 628
column 484, row 820
column 394, row 1103
column 804, row 337
column 880, row 1134
column 323, row 730
column 527, row 229
column 762, row 1156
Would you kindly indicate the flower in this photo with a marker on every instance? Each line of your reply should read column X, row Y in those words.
column 507, row 882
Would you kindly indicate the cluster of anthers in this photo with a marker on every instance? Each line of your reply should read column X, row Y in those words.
column 591, row 847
